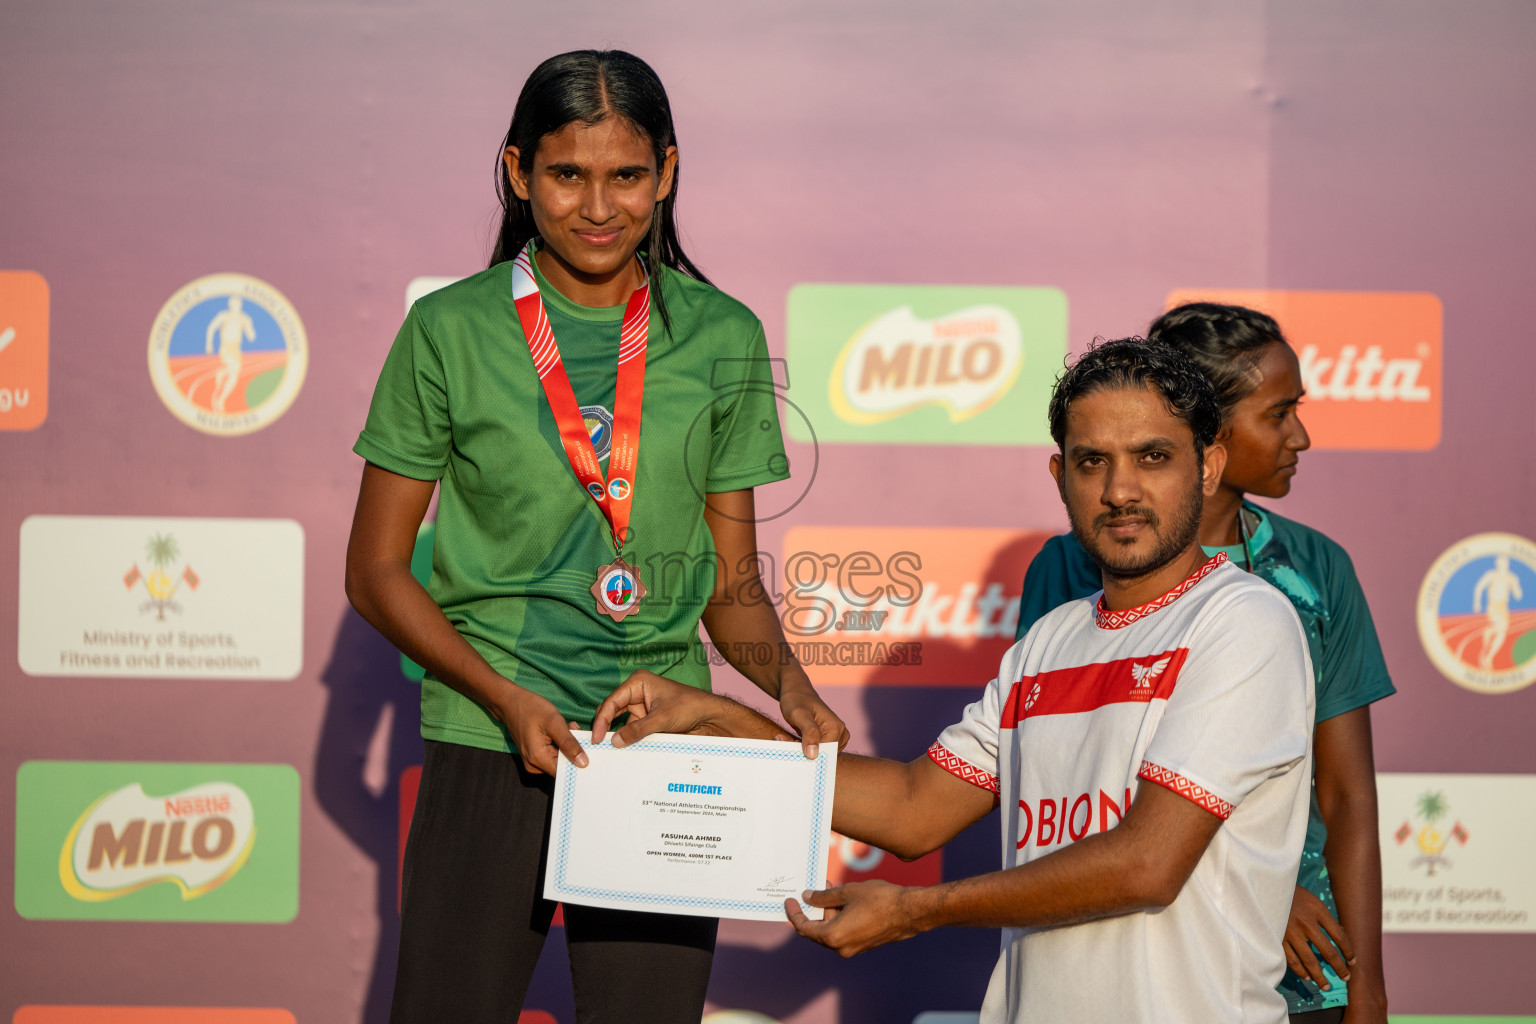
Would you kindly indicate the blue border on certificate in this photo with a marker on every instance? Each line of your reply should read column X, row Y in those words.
column 758, row 906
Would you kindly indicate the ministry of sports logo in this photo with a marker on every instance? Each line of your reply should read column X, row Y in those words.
column 228, row 354
column 1433, row 836
column 162, row 581
column 1477, row 613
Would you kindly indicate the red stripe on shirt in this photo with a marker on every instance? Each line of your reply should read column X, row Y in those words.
column 1070, row 691
column 961, row 769
column 1197, row 795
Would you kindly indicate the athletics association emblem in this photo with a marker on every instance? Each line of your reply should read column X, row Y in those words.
column 599, row 424
column 1477, row 613
column 228, row 354
column 162, row 582
column 618, row 589
column 618, row 488
column 1431, row 841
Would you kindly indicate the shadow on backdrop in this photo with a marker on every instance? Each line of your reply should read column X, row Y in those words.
column 369, row 735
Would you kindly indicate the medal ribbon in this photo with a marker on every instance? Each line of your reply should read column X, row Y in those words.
column 615, row 495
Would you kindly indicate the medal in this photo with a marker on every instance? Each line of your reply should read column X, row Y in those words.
column 618, row 589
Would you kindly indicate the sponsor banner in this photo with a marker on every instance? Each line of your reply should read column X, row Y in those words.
column 419, row 286
column 902, row 606
column 23, row 350
column 125, row 841
column 1456, row 851
column 922, row 364
column 1370, row 361
column 148, row 1015
column 849, row 860
column 165, row 598
column 1477, row 613
column 228, row 354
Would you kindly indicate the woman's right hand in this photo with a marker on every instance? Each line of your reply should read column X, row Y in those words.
column 539, row 731
column 1311, row 925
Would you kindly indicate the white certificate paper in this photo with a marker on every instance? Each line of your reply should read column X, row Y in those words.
column 692, row 825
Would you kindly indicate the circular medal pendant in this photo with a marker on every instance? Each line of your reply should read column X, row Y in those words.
column 618, row 589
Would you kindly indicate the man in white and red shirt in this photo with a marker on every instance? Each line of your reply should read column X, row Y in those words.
column 1149, row 747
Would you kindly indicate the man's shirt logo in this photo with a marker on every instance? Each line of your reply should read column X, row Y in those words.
column 1145, row 675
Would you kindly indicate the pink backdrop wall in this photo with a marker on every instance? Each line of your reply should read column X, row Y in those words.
column 1113, row 150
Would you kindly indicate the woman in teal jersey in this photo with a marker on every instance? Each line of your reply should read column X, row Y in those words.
column 572, row 546
column 1335, row 972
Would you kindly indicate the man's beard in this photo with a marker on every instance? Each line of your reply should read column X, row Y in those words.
column 1116, row 561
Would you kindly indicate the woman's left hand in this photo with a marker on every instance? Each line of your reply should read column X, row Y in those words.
column 806, row 713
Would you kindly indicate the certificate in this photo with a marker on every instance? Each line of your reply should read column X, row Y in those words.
column 691, row 825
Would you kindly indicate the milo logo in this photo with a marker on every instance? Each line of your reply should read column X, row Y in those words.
column 196, row 840
column 920, row 364
column 135, row 841
column 962, row 362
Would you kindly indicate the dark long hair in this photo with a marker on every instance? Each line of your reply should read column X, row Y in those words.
column 589, row 86
column 1224, row 341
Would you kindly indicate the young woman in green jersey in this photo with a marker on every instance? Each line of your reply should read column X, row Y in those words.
column 555, row 576
column 1335, row 972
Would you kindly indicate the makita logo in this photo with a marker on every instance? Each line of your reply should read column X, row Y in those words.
column 1356, row 376
column 897, row 362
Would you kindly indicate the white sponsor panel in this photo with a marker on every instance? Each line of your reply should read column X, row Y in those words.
column 1456, row 852
column 163, row 598
column 419, row 286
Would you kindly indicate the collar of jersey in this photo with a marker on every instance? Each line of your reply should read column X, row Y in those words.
column 1262, row 535
column 553, row 299
column 1106, row 619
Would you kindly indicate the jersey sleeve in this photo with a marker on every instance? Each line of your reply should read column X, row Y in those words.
column 968, row 749
column 1061, row 571
column 1241, row 709
column 1353, row 672
column 747, row 446
column 408, row 431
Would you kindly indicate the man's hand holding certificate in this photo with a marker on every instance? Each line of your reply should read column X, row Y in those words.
column 709, row 824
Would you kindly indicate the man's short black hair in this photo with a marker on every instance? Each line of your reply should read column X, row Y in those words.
column 1138, row 363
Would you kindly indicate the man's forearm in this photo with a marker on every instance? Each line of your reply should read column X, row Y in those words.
column 1102, row 875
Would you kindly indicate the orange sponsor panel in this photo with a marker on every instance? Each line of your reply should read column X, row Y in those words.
column 902, row 606
column 148, row 1015
column 23, row 350
column 1370, row 361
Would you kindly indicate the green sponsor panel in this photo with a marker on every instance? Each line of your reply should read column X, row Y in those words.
column 129, row 841
column 421, row 568
column 924, row 364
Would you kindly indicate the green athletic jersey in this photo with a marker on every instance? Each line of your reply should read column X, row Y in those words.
column 1348, row 667
column 518, row 540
